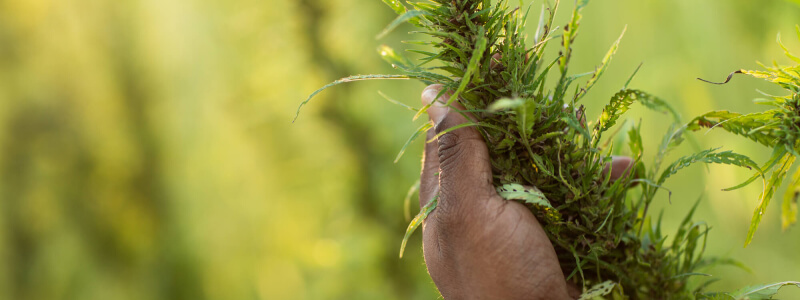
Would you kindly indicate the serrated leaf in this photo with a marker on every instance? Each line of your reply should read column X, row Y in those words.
column 602, row 67
column 620, row 103
column 744, row 125
column 772, row 184
column 530, row 195
column 568, row 36
column 421, row 216
column 598, row 290
column 761, row 292
column 657, row 104
column 708, row 156
column 776, row 156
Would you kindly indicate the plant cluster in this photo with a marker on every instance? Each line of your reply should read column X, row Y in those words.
column 777, row 128
column 546, row 154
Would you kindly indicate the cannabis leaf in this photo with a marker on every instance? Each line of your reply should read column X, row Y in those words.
column 530, row 195
column 759, row 292
column 600, row 289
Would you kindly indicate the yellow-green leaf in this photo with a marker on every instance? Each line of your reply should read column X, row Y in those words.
column 530, row 195
column 760, row 292
column 421, row 130
column 396, row 60
column 789, row 207
column 772, row 184
column 603, row 65
column 598, row 290
column 421, row 216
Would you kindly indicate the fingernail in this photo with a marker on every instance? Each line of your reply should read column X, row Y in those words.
column 438, row 109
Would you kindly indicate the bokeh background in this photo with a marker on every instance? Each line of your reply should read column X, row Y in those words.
column 146, row 150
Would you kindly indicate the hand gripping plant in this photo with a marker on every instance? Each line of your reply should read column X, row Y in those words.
column 545, row 154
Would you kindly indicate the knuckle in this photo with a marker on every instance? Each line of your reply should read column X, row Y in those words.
column 450, row 150
column 461, row 222
column 455, row 221
column 454, row 145
column 449, row 217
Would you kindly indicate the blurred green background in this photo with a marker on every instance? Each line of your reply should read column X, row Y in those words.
column 146, row 150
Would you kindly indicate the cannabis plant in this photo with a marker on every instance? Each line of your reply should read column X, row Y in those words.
column 777, row 128
column 546, row 154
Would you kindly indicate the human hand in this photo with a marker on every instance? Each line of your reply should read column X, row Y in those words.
column 476, row 244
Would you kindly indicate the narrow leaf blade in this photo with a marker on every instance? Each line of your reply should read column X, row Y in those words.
column 789, row 207
column 772, row 185
column 406, row 16
column 420, row 131
column 345, row 80
column 421, row 216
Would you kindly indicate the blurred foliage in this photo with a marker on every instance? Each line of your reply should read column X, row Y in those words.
column 146, row 150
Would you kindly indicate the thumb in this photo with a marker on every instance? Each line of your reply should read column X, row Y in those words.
column 465, row 170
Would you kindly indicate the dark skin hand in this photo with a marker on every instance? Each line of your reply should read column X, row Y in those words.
column 478, row 245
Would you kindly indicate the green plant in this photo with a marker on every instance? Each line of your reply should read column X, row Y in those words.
column 777, row 128
column 529, row 112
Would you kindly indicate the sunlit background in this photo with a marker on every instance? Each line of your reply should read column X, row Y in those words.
column 146, row 150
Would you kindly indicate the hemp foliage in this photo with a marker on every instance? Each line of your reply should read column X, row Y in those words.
column 545, row 154
column 777, row 128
